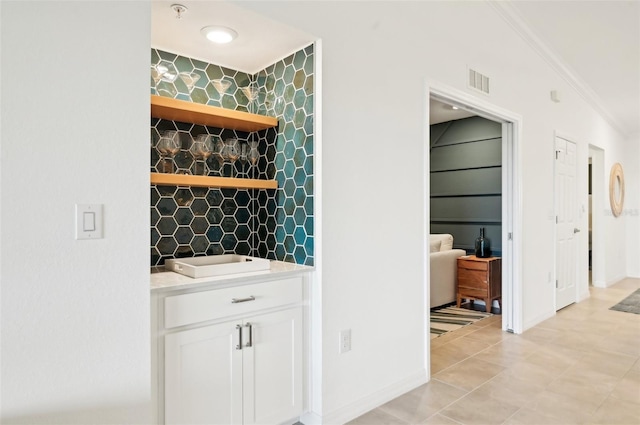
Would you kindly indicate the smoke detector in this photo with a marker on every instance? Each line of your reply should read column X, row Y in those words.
column 179, row 9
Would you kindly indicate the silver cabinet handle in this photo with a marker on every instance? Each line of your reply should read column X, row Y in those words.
column 242, row 300
column 576, row 230
column 250, row 343
column 239, row 345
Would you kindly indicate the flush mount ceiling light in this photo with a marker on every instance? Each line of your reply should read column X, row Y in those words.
column 219, row 34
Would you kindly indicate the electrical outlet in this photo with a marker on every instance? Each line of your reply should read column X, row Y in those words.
column 345, row 341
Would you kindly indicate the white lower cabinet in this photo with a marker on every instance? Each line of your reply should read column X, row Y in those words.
column 243, row 371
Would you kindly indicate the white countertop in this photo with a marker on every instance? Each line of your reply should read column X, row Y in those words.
column 171, row 281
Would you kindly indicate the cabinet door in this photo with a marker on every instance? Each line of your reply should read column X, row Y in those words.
column 203, row 376
column 273, row 368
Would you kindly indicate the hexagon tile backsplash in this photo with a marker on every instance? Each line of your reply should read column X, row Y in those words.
column 275, row 224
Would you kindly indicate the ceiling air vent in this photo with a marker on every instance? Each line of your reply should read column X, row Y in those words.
column 478, row 81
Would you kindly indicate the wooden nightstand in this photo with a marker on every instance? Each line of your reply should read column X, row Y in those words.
column 479, row 279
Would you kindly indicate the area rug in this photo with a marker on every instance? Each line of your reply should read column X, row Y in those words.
column 451, row 318
column 631, row 304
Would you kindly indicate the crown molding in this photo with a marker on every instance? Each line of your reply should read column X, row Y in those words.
column 509, row 13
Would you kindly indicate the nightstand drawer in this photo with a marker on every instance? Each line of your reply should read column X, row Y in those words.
column 473, row 265
column 473, row 292
column 472, row 278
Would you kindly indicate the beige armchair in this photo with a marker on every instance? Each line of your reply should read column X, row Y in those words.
column 444, row 269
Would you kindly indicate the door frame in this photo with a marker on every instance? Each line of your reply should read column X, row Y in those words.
column 596, row 154
column 512, row 309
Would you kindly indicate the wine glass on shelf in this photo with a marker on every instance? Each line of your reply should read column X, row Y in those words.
column 251, row 92
column 244, row 151
column 221, row 85
column 201, row 149
column 168, row 146
column 218, row 150
column 189, row 79
column 230, row 152
column 253, row 155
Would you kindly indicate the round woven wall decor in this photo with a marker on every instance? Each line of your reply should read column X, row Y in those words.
column 616, row 189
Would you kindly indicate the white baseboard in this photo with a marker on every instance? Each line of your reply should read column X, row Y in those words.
column 371, row 401
column 584, row 295
column 615, row 280
column 537, row 320
column 311, row 418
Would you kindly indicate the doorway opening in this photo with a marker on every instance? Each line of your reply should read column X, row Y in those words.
column 596, row 217
column 465, row 155
column 510, row 201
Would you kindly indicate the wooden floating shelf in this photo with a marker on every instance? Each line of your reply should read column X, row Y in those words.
column 165, row 179
column 213, row 116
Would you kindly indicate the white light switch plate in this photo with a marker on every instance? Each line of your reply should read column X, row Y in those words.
column 88, row 221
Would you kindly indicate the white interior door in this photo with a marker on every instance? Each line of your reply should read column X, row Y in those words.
column 566, row 222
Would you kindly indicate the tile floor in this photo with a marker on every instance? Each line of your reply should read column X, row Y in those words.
column 580, row 367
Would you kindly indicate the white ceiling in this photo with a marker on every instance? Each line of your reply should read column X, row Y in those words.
column 261, row 41
column 595, row 45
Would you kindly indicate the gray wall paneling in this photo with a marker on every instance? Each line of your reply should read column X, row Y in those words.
column 466, row 181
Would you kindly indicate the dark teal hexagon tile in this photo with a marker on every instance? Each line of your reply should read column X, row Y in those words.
column 200, row 225
column 307, row 165
column 183, row 235
column 166, row 55
column 280, row 252
column 199, row 207
column 214, row 215
column 291, row 78
column 289, row 225
column 155, row 256
column 215, row 249
column 299, row 79
column 299, row 58
column 183, row 216
column 200, row 244
column 299, row 196
column 299, row 118
column 166, row 206
column 308, row 205
column 214, row 233
column 243, row 248
column 166, row 226
column 229, row 242
column 183, row 197
column 155, row 236
column 289, row 244
column 166, row 245
column 300, row 255
column 155, row 216
column 299, row 235
column 309, row 246
column 243, row 232
column 299, row 216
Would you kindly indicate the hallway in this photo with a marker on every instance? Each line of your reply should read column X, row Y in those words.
column 581, row 366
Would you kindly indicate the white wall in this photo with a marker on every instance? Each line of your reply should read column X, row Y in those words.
column 376, row 56
column 631, row 170
column 75, row 128
column 75, row 318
